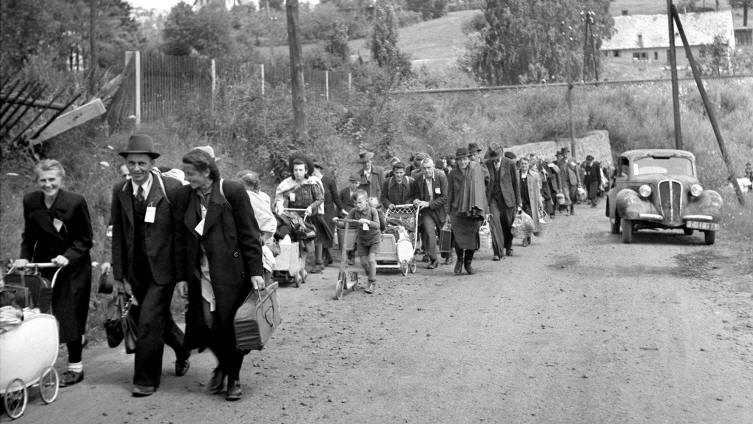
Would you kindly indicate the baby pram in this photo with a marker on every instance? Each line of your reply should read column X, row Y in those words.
column 28, row 338
column 399, row 241
column 290, row 263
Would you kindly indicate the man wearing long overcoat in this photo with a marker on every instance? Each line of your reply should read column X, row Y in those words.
column 503, row 194
column 144, row 262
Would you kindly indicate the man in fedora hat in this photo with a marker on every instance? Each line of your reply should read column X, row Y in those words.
column 592, row 179
column 145, row 262
column 371, row 177
column 569, row 180
column 503, row 195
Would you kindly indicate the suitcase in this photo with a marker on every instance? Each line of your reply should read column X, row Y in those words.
column 445, row 239
column 257, row 319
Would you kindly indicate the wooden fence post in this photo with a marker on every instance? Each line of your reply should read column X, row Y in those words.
column 214, row 82
column 262, row 78
column 350, row 83
column 137, row 94
column 326, row 85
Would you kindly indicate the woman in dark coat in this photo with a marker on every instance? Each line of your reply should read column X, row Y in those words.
column 57, row 229
column 468, row 206
column 221, row 243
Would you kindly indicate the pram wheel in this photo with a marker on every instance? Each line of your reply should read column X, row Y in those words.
column 49, row 385
column 340, row 286
column 15, row 398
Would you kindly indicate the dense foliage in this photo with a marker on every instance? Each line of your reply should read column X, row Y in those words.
column 537, row 40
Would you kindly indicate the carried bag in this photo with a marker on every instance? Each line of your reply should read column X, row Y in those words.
column 302, row 230
column 257, row 319
column 113, row 325
column 445, row 238
column 130, row 326
column 560, row 197
column 544, row 221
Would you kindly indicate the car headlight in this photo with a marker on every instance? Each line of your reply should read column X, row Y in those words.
column 644, row 190
column 696, row 190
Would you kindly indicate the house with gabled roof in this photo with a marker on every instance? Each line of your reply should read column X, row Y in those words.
column 645, row 37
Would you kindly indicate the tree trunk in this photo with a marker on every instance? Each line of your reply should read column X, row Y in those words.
column 296, row 71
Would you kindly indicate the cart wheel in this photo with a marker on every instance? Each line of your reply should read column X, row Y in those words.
column 339, row 288
column 15, row 398
column 49, row 385
column 297, row 279
column 413, row 266
column 404, row 268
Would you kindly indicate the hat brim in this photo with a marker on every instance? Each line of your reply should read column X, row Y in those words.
column 153, row 155
column 494, row 154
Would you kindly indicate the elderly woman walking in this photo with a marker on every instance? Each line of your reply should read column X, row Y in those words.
column 221, row 242
column 467, row 206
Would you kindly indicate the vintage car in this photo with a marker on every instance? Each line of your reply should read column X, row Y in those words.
column 658, row 188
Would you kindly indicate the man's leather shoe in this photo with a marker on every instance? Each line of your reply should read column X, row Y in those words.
column 495, row 258
column 508, row 252
column 182, row 366
column 217, row 382
column 468, row 268
column 143, row 391
column 433, row 264
column 458, row 267
column 70, row 378
column 234, row 391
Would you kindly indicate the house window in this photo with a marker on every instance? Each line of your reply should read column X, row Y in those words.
column 656, row 55
column 616, row 53
column 640, row 56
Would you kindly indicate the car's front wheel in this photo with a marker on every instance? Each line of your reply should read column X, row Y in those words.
column 687, row 231
column 709, row 237
column 627, row 231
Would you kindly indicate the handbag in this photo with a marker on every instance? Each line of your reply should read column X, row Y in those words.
column 112, row 324
column 445, row 238
column 129, row 324
column 257, row 318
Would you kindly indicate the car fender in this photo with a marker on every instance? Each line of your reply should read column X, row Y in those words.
column 629, row 205
column 708, row 203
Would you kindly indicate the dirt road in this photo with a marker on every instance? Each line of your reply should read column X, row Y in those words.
column 576, row 328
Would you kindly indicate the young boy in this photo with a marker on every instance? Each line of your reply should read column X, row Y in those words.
column 368, row 235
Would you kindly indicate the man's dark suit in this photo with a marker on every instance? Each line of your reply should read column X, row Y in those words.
column 432, row 217
column 144, row 254
column 372, row 184
column 394, row 193
column 503, row 194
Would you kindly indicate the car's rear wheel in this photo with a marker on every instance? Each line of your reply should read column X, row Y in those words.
column 627, row 231
column 709, row 237
column 687, row 231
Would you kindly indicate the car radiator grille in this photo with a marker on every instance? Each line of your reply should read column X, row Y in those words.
column 670, row 199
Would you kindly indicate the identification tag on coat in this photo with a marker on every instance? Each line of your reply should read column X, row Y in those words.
column 58, row 224
column 200, row 228
column 437, row 191
column 365, row 227
column 291, row 196
column 151, row 211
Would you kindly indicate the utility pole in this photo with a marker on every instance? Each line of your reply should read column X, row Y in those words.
column 296, row 71
column 673, row 71
column 92, row 46
column 709, row 109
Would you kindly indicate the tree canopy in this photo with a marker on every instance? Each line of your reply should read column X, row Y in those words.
column 538, row 40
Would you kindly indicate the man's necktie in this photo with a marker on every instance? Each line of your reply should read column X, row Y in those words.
column 140, row 195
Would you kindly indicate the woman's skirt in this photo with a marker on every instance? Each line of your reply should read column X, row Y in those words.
column 465, row 231
column 323, row 232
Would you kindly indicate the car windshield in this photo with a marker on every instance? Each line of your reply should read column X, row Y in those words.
column 663, row 165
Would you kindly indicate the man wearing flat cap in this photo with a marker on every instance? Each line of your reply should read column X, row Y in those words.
column 592, row 179
column 146, row 263
column 430, row 193
column 371, row 177
column 503, row 195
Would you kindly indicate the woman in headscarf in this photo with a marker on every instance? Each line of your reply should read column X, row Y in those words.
column 306, row 192
column 221, row 244
column 530, row 193
column 467, row 208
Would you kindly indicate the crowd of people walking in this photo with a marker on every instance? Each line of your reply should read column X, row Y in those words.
column 211, row 240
